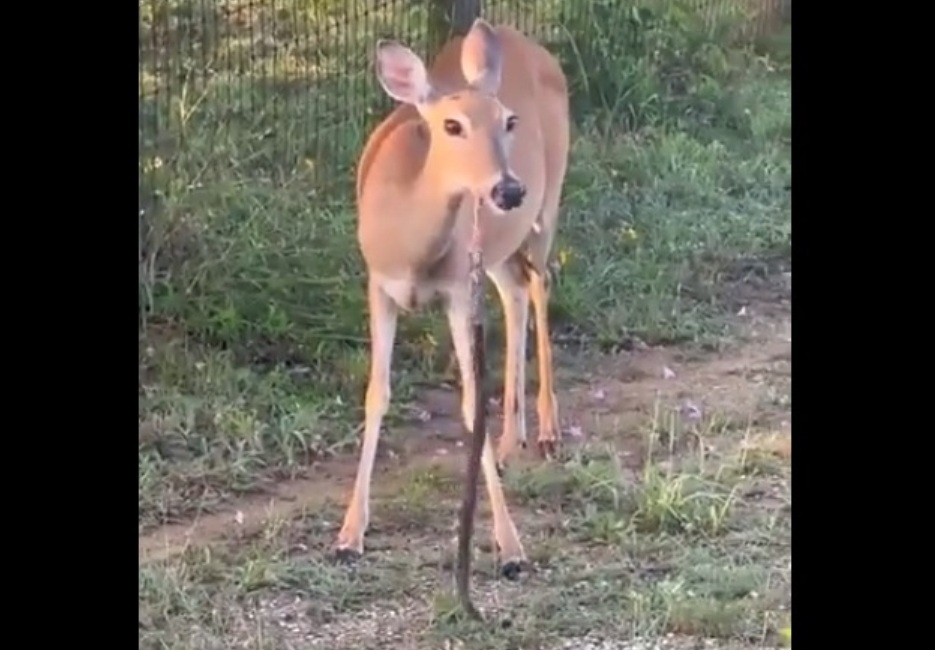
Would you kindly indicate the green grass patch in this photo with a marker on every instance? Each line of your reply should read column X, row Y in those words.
column 253, row 337
column 279, row 587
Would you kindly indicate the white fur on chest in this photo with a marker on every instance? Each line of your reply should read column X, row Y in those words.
column 409, row 294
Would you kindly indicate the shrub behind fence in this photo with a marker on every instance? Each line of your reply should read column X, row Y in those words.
column 252, row 113
column 272, row 87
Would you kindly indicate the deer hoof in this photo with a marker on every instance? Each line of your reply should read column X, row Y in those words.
column 346, row 556
column 511, row 570
column 548, row 449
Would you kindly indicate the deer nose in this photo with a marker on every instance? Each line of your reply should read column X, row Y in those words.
column 508, row 193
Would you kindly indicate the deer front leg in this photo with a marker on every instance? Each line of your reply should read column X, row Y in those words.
column 512, row 555
column 512, row 285
column 383, row 317
column 547, row 406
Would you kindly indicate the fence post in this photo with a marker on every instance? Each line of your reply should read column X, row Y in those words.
column 448, row 17
column 463, row 13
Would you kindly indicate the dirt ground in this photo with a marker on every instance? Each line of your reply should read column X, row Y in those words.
column 615, row 394
column 605, row 401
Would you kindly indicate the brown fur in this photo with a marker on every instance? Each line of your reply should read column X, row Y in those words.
column 534, row 87
column 416, row 184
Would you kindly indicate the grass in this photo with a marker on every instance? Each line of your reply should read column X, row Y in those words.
column 267, row 336
column 253, row 350
column 685, row 548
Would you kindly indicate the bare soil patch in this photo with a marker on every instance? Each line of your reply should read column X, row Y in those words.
column 601, row 397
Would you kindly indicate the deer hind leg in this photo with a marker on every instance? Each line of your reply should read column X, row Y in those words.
column 512, row 555
column 536, row 251
column 546, row 404
column 383, row 317
column 512, row 282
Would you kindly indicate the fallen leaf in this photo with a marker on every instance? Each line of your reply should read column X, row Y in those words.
column 575, row 432
column 667, row 373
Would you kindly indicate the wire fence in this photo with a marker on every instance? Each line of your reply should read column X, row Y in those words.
column 272, row 87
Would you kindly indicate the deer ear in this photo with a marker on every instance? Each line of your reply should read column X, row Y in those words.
column 482, row 57
column 402, row 73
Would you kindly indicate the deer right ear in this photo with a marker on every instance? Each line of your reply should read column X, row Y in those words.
column 402, row 73
column 482, row 57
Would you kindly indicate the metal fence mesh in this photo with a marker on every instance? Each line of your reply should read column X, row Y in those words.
column 269, row 87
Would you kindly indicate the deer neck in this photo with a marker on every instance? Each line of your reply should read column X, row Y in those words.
column 438, row 210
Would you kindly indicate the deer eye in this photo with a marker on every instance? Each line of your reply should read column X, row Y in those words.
column 453, row 127
column 511, row 123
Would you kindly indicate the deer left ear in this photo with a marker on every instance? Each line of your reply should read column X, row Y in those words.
column 402, row 73
column 482, row 57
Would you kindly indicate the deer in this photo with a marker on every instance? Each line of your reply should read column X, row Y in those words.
column 486, row 128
